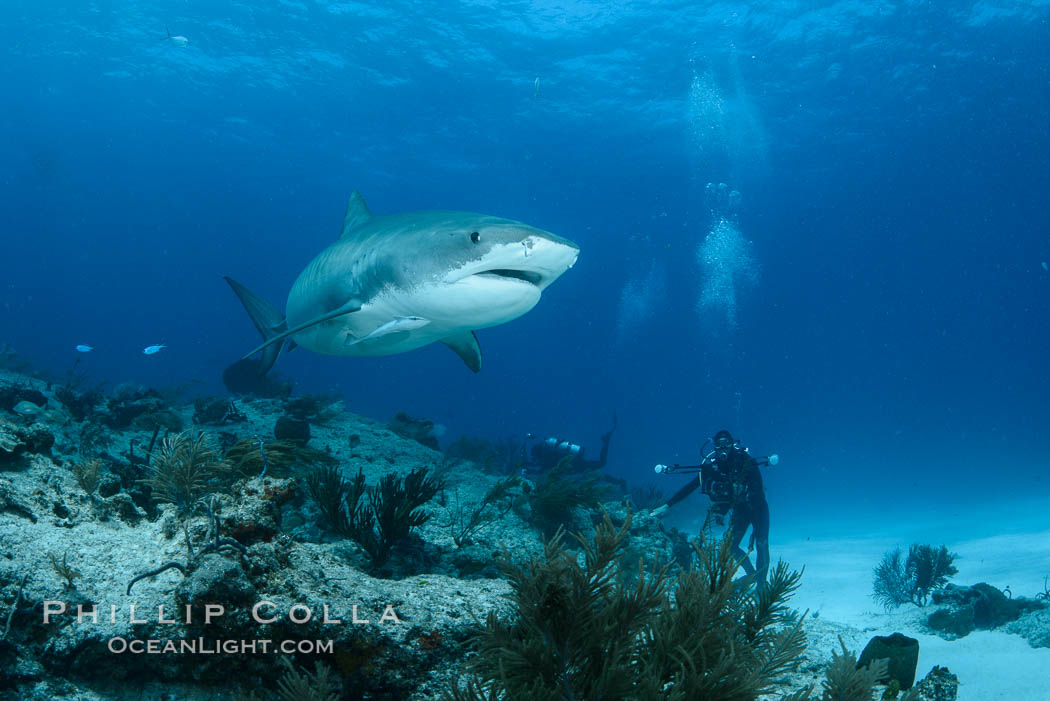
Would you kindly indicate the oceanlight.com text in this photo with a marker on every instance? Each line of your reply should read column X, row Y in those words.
column 206, row 646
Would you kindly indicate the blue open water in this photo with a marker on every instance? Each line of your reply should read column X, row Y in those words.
column 875, row 309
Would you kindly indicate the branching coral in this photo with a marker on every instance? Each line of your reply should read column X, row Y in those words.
column 250, row 457
column 648, row 497
column 183, row 469
column 390, row 514
column 296, row 686
column 845, row 681
column 582, row 632
column 64, row 570
column 339, row 500
column 900, row 581
column 558, row 493
column 395, row 505
column 464, row 521
column 87, row 474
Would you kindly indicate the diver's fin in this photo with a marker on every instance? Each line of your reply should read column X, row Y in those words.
column 467, row 347
column 348, row 308
column 357, row 214
column 401, row 324
column 267, row 319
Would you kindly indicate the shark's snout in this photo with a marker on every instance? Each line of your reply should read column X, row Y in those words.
column 535, row 260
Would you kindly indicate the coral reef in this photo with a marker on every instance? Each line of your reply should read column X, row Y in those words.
column 559, row 492
column 501, row 457
column 212, row 544
column 183, row 469
column 290, row 428
column 64, row 570
column 318, row 409
column 87, row 475
column 318, row 686
column 981, row 606
column 582, row 632
column 383, row 520
column 216, row 411
column 105, row 488
column 939, row 685
column 19, row 442
column 847, row 680
column 900, row 581
column 419, row 430
column 648, row 497
column 466, row 520
column 253, row 457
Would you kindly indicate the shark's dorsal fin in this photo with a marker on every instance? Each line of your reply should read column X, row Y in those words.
column 357, row 214
column 466, row 347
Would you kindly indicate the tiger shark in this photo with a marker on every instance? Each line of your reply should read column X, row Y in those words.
column 394, row 283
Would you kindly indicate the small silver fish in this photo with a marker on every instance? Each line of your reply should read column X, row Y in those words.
column 84, row 349
column 150, row 350
column 1044, row 266
column 27, row 408
column 177, row 40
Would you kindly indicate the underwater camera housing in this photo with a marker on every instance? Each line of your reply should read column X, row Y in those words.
column 772, row 460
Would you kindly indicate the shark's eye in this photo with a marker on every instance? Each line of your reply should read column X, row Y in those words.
column 475, row 237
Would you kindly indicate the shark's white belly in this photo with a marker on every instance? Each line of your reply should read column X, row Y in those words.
column 395, row 321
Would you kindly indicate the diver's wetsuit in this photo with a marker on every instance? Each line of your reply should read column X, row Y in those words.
column 546, row 457
column 735, row 483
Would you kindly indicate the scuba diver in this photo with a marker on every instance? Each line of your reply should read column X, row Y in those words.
column 546, row 454
column 729, row 475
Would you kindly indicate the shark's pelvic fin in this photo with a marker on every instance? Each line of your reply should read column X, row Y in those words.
column 357, row 214
column 466, row 347
column 348, row 308
column 402, row 324
column 267, row 318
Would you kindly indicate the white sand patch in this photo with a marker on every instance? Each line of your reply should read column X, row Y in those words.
column 837, row 586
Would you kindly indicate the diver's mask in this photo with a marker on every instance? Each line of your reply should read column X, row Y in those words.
column 723, row 447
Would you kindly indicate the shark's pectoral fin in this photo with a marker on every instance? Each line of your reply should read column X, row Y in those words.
column 467, row 347
column 401, row 324
column 348, row 308
column 357, row 214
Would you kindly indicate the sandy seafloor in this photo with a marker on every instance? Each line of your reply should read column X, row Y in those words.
column 998, row 543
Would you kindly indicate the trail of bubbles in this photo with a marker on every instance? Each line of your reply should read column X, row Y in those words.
column 726, row 269
column 640, row 295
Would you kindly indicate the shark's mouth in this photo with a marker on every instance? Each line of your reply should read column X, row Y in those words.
column 524, row 275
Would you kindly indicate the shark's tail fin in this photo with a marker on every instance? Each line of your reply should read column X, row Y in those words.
column 267, row 318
